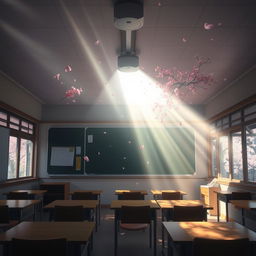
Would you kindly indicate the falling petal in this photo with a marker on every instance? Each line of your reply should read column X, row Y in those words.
column 142, row 146
column 212, row 39
column 219, row 24
column 124, row 157
column 208, row 26
column 74, row 80
column 105, row 132
column 97, row 42
column 159, row 4
column 57, row 76
column 129, row 142
column 68, row 68
column 86, row 158
column 123, row 168
column 98, row 153
column 184, row 40
column 225, row 79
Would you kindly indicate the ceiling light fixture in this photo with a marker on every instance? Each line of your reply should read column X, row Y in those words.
column 128, row 18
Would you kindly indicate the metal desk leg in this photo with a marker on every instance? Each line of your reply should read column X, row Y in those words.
column 115, row 231
column 99, row 209
column 226, row 210
column 218, row 208
column 162, row 227
column 154, row 234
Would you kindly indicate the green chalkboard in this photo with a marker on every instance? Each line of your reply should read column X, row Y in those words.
column 140, row 151
column 66, row 151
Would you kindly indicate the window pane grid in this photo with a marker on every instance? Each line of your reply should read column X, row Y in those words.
column 237, row 157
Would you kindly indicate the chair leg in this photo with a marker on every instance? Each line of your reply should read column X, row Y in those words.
column 150, row 235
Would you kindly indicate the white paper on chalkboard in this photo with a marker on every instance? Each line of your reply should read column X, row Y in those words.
column 90, row 138
column 62, row 156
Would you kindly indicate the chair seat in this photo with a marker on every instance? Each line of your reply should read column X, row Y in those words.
column 133, row 226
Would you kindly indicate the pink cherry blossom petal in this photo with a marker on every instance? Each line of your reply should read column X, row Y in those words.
column 68, row 68
column 97, row 42
column 184, row 40
column 57, row 76
column 86, row 159
column 208, row 26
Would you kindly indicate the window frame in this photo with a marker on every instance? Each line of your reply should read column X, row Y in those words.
column 241, row 127
column 20, row 134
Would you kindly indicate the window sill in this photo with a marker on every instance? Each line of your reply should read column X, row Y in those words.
column 237, row 183
column 17, row 182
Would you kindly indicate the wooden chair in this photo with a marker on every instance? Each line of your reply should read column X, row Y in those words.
column 171, row 196
column 189, row 213
column 50, row 247
column 5, row 222
column 84, row 196
column 68, row 213
column 131, row 196
column 18, row 195
column 135, row 218
column 211, row 247
column 241, row 196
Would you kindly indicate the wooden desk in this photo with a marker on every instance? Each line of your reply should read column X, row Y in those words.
column 77, row 233
column 20, row 205
column 119, row 192
column 158, row 193
column 169, row 204
column 97, row 193
column 87, row 204
column 183, row 233
column 117, row 205
column 244, row 205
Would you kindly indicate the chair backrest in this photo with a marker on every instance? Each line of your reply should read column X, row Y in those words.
column 18, row 195
column 241, row 196
column 50, row 247
column 189, row 213
column 135, row 214
column 4, row 214
column 131, row 196
column 171, row 196
column 69, row 213
column 84, row 196
column 212, row 247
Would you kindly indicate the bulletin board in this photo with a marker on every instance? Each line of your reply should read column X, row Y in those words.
column 140, row 151
column 66, row 151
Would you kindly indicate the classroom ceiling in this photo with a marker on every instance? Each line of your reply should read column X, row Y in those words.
column 42, row 38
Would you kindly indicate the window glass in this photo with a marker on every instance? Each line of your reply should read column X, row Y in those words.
column 251, row 151
column 13, row 154
column 214, row 161
column 14, row 120
column 237, row 163
column 26, row 151
column 224, row 156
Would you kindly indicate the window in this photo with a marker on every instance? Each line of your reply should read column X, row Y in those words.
column 13, row 157
column 213, row 157
column 21, row 145
column 25, row 161
column 224, row 156
column 251, row 151
column 237, row 156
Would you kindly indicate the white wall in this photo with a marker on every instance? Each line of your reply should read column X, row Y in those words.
column 238, row 91
column 17, row 97
column 189, row 184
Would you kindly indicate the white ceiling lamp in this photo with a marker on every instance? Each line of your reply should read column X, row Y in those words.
column 128, row 18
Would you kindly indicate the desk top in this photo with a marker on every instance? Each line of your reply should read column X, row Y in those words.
column 159, row 192
column 116, row 204
column 95, row 192
column 121, row 191
column 168, row 204
column 92, row 204
column 73, row 231
column 19, row 203
column 29, row 191
column 187, row 231
column 245, row 204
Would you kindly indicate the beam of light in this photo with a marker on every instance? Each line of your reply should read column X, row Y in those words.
column 87, row 52
column 142, row 94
